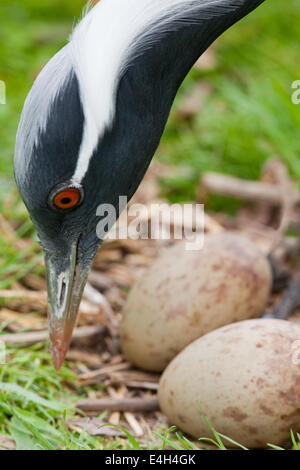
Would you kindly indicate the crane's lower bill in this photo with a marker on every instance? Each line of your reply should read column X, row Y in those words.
column 66, row 280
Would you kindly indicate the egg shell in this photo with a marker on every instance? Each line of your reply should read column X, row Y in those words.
column 245, row 378
column 186, row 294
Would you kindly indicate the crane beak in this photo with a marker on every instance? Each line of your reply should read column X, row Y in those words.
column 66, row 281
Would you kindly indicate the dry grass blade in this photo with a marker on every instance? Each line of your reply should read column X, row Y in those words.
column 6, row 443
column 85, row 357
column 193, row 102
column 96, row 298
column 99, row 280
column 37, row 301
column 135, row 376
column 212, row 226
column 144, row 385
column 115, row 418
column 15, row 322
column 234, row 187
column 24, row 295
column 276, row 171
column 208, row 60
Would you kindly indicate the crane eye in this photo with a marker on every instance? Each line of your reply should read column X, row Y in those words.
column 66, row 197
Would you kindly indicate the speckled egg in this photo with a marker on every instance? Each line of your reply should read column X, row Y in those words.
column 186, row 294
column 245, row 378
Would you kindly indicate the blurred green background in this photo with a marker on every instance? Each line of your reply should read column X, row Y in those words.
column 247, row 118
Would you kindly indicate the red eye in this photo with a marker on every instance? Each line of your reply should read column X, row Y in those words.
column 67, row 198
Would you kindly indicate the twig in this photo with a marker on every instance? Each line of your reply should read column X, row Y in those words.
column 38, row 300
column 276, row 170
column 211, row 225
column 119, row 404
column 289, row 247
column 41, row 336
column 24, row 294
column 95, row 376
column 134, row 424
column 115, row 418
column 144, row 385
column 99, row 280
column 134, row 376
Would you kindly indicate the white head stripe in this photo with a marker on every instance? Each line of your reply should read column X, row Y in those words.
column 100, row 46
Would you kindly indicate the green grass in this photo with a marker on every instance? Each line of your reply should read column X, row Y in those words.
column 248, row 118
column 36, row 402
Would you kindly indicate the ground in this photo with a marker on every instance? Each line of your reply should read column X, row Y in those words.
column 232, row 114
